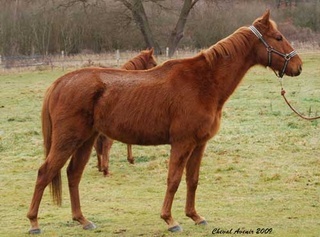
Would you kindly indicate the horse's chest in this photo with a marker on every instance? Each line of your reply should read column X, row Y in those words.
column 209, row 128
column 199, row 127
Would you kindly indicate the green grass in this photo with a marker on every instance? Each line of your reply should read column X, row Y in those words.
column 262, row 170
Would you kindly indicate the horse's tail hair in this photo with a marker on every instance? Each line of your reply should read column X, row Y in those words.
column 55, row 185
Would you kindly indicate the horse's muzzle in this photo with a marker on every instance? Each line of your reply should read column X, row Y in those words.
column 297, row 71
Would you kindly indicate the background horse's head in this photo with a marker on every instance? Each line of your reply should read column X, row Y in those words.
column 272, row 48
column 149, row 58
column 145, row 60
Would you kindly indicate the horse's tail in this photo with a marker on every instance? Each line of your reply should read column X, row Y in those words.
column 55, row 185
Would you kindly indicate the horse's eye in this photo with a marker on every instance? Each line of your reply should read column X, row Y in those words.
column 279, row 37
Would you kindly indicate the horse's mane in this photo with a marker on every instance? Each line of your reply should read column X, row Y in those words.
column 233, row 46
column 138, row 62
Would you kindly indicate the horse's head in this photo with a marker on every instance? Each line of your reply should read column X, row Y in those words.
column 272, row 48
column 149, row 58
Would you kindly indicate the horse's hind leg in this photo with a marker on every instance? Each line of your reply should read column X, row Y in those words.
column 74, row 172
column 52, row 165
column 192, row 177
column 107, row 144
column 98, row 145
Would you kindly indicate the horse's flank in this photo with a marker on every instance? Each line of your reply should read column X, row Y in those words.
column 143, row 61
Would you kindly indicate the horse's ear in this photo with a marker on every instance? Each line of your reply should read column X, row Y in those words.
column 265, row 17
column 151, row 51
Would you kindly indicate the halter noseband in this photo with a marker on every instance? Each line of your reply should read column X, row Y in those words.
column 271, row 50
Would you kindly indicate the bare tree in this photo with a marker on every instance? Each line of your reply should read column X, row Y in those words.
column 177, row 33
column 141, row 19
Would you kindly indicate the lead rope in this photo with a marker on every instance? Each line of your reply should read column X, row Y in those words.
column 287, row 58
column 283, row 92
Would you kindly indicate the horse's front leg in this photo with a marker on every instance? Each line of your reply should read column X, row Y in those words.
column 178, row 159
column 130, row 158
column 192, row 177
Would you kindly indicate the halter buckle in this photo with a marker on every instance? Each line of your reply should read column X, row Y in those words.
column 269, row 49
column 287, row 57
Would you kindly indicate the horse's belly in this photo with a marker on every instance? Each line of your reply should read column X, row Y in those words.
column 145, row 135
column 141, row 138
column 134, row 130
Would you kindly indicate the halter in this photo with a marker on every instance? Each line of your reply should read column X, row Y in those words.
column 271, row 50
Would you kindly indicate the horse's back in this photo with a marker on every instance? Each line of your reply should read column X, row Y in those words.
column 134, row 107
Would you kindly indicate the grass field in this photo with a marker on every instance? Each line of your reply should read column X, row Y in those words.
column 262, row 170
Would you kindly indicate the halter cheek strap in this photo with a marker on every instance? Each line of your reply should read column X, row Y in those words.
column 271, row 50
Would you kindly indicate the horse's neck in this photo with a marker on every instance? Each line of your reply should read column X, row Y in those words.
column 229, row 65
column 136, row 63
column 128, row 65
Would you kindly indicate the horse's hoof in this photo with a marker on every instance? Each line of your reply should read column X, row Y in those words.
column 176, row 228
column 203, row 222
column 89, row 226
column 34, row 231
column 106, row 173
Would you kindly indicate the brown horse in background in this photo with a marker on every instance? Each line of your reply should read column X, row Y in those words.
column 178, row 103
column 145, row 60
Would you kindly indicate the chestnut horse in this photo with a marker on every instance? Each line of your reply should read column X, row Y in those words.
column 145, row 60
column 178, row 103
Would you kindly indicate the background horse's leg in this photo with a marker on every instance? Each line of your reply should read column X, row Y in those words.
column 106, row 147
column 53, row 164
column 98, row 145
column 192, row 177
column 130, row 157
column 178, row 159
column 74, row 172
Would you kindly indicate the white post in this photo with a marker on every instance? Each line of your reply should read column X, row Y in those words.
column 118, row 57
column 167, row 52
column 62, row 55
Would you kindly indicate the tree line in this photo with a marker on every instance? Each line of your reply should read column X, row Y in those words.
column 30, row 27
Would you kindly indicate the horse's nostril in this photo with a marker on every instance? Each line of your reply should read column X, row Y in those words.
column 300, row 68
